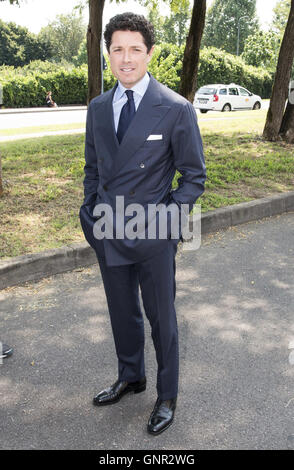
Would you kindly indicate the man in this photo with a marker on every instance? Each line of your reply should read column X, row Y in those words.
column 137, row 135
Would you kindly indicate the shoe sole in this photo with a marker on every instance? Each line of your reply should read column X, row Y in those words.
column 140, row 389
column 155, row 433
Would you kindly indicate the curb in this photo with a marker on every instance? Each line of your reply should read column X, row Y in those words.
column 36, row 266
column 237, row 214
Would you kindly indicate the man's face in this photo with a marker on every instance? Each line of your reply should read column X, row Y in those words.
column 128, row 57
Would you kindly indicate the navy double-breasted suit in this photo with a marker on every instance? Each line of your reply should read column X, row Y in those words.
column 142, row 171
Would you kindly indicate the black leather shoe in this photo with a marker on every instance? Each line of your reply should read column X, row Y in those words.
column 162, row 415
column 114, row 393
column 5, row 351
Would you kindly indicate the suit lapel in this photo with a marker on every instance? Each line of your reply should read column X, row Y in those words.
column 105, row 125
column 149, row 113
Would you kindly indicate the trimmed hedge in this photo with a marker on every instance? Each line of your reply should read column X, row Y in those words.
column 67, row 87
column 217, row 66
column 27, row 87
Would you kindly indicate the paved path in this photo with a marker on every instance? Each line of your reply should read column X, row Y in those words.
column 235, row 315
column 26, row 117
column 42, row 117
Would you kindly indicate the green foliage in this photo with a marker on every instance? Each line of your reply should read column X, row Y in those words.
column 262, row 49
column 82, row 55
column 27, row 86
column 108, row 79
column 166, row 65
column 68, row 87
column 173, row 28
column 64, row 35
column 281, row 13
column 19, row 46
column 221, row 28
column 34, row 67
column 216, row 66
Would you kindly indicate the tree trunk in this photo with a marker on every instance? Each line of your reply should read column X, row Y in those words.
column 188, row 83
column 281, row 82
column 1, row 183
column 94, row 34
column 287, row 127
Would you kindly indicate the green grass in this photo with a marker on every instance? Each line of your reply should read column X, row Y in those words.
column 240, row 165
column 37, row 129
column 43, row 192
column 43, row 179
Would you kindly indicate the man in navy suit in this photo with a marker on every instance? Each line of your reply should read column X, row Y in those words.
column 137, row 135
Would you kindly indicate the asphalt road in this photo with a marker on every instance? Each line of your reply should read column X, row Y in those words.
column 235, row 316
column 67, row 116
column 42, row 118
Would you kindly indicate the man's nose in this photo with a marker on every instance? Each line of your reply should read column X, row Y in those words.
column 126, row 56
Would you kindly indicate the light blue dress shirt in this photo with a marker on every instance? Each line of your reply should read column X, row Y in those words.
column 120, row 98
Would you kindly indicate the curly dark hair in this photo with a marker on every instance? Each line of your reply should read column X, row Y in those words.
column 130, row 22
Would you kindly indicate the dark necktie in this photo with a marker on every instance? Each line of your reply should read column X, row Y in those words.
column 127, row 113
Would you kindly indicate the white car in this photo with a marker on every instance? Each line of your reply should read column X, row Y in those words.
column 225, row 98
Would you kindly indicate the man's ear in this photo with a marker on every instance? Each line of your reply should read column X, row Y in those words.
column 150, row 53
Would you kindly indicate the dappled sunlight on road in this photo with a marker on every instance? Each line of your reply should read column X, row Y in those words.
column 235, row 317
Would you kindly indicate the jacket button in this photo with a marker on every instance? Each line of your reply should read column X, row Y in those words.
column 142, row 165
column 105, row 187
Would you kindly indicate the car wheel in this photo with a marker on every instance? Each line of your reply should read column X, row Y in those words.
column 257, row 105
column 227, row 107
column 203, row 111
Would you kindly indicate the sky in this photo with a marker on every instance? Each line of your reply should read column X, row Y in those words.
column 34, row 14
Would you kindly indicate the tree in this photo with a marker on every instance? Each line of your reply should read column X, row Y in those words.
column 94, row 35
column 175, row 26
column 94, row 40
column 281, row 14
column 188, row 83
column 65, row 35
column 158, row 21
column 19, row 46
column 1, row 181
column 81, row 57
column 222, row 21
column 261, row 49
column 279, row 124
column 287, row 126
column 11, row 53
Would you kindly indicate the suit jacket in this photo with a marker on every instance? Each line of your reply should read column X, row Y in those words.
column 141, row 170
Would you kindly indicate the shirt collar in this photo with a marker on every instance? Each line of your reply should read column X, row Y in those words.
column 139, row 88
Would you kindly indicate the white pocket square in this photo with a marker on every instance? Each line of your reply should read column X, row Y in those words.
column 155, row 137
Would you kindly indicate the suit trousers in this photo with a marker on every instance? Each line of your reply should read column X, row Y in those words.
column 156, row 278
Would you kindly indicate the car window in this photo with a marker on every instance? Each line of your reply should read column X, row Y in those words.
column 206, row 91
column 244, row 92
column 233, row 91
column 223, row 91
